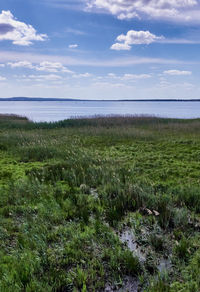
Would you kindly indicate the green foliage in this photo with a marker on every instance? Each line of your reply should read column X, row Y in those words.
column 189, row 196
column 37, row 153
column 161, row 285
column 190, row 276
column 182, row 248
column 66, row 188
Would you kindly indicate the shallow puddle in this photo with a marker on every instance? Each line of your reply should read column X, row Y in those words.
column 164, row 265
column 127, row 237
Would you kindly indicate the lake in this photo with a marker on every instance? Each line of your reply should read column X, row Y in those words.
column 47, row 111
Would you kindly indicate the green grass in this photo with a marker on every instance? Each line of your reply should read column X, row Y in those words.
column 67, row 190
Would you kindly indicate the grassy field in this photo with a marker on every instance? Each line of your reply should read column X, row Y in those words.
column 102, row 204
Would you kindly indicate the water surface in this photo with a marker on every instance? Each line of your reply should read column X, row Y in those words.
column 59, row 110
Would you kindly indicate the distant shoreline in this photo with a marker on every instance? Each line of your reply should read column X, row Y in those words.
column 104, row 100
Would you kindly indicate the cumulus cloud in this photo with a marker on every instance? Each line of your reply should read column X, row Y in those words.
column 5, row 28
column 127, row 9
column 120, row 47
column 18, row 32
column 134, row 37
column 73, row 46
column 52, row 67
column 177, row 72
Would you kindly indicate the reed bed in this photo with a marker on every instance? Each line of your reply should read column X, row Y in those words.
column 69, row 189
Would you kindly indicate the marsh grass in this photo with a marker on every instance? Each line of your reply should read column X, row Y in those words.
column 66, row 187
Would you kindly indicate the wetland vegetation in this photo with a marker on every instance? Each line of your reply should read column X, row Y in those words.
column 100, row 204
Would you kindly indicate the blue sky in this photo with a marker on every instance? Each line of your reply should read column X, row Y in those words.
column 100, row 49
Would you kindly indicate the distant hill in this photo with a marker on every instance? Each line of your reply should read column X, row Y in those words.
column 73, row 99
column 36, row 99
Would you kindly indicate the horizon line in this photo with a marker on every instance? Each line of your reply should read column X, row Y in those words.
column 77, row 99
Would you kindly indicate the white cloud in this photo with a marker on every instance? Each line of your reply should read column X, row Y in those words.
column 2, row 78
column 52, row 67
column 18, row 32
column 73, row 46
column 177, row 72
column 2, row 65
column 129, row 76
column 177, row 10
column 134, row 37
column 21, row 64
column 136, row 76
column 49, row 77
column 112, row 75
column 15, row 56
column 108, row 84
column 176, row 86
column 46, row 66
column 84, row 75
column 120, row 47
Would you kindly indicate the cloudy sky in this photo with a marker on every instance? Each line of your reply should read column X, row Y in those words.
column 100, row 49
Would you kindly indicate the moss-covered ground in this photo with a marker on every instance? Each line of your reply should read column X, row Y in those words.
column 87, row 204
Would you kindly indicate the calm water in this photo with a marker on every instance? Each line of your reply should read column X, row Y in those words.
column 59, row 110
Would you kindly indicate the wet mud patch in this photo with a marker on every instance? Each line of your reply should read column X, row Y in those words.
column 128, row 238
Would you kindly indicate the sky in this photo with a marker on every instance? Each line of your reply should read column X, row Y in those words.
column 100, row 49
